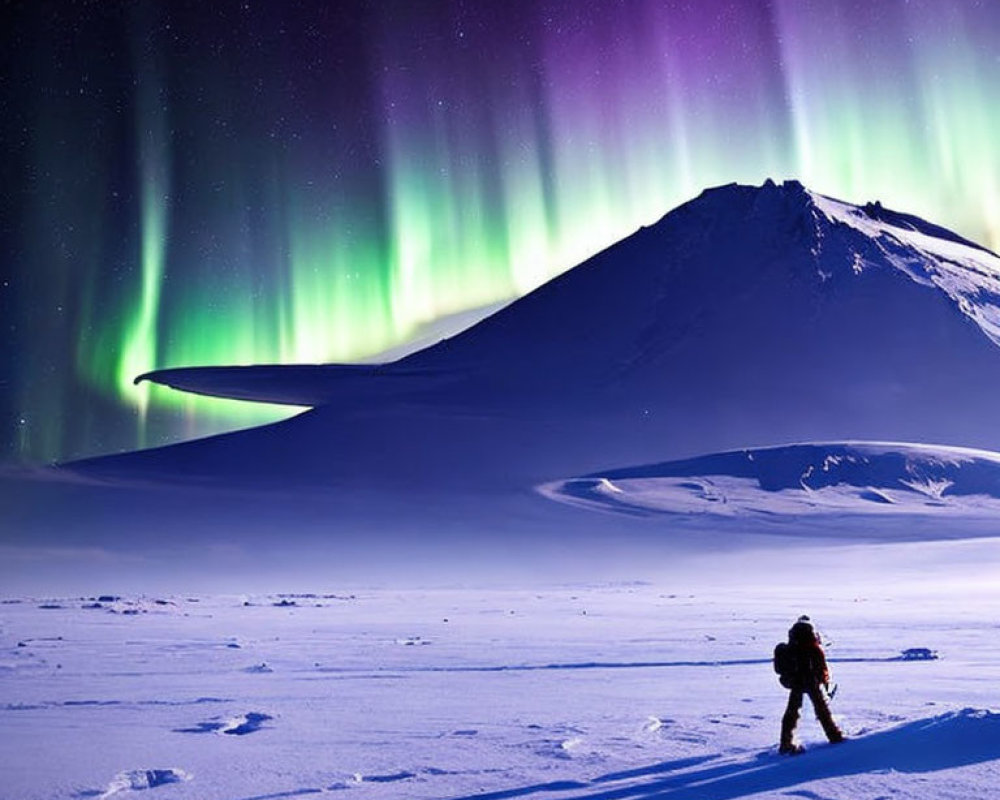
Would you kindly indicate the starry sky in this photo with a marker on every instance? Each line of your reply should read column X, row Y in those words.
column 190, row 183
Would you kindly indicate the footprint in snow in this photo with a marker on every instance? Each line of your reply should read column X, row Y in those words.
column 557, row 748
column 250, row 722
column 725, row 720
column 391, row 777
column 139, row 779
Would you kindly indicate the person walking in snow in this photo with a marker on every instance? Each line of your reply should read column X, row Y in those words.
column 801, row 667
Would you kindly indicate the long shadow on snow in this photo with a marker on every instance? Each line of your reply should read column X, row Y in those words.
column 562, row 786
column 956, row 739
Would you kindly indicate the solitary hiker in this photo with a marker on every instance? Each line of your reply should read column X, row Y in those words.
column 801, row 667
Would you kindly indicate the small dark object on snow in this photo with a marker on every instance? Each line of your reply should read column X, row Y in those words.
column 108, row 598
column 918, row 654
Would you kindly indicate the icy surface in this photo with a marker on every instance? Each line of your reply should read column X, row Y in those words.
column 841, row 479
column 632, row 690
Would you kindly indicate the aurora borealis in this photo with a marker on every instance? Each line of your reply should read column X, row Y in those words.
column 261, row 182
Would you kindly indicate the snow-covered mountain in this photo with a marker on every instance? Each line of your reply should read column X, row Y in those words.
column 745, row 317
column 841, row 478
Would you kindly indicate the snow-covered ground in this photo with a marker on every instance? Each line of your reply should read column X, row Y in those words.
column 659, row 689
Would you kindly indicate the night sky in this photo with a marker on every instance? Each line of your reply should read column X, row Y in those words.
column 218, row 183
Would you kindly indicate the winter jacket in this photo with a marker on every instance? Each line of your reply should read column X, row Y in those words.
column 810, row 660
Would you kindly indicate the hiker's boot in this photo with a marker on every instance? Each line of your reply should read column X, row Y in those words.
column 787, row 743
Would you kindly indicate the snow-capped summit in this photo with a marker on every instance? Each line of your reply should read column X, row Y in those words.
column 747, row 316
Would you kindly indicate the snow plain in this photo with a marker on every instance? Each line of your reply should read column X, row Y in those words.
column 644, row 690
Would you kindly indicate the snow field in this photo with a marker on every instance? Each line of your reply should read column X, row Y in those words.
column 631, row 690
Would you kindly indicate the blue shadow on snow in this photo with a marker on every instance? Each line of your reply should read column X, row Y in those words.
column 956, row 739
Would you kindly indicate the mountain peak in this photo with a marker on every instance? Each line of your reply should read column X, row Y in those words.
column 790, row 193
column 769, row 186
column 768, row 209
column 792, row 196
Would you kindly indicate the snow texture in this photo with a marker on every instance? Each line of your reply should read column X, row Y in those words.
column 585, row 692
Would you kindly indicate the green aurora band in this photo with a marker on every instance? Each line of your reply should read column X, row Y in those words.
column 494, row 180
column 138, row 350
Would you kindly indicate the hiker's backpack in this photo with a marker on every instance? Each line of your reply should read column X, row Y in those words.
column 785, row 664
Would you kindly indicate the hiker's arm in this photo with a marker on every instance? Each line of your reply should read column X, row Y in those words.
column 823, row 671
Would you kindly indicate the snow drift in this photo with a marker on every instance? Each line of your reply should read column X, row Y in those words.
column 849, row 478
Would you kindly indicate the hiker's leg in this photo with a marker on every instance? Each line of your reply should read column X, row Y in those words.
column 824, row 715
column 790, row 720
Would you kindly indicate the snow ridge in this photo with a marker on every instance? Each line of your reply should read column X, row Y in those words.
column 929, row 255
